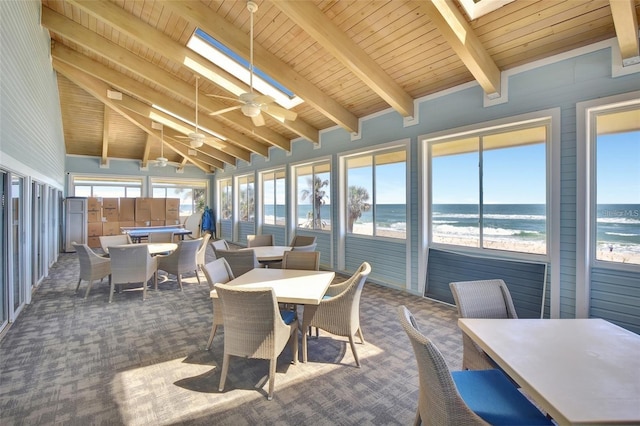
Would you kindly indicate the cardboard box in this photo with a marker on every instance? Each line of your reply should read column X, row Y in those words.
column 127, row 224
column 143, row 203
column 94, row 216
column 157, row 223
column 142, row 223
column 94, row 204
column 158, row 207
column 94, row 229
column 93, row 242
column 170, row 222
column 110, row 203
column 173, row 215
column 173, row 204
column 110, row 215
column 127, row 210
column 111, row 228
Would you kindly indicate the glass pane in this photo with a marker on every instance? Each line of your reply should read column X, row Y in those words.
column 618, row 187
column 322, row 200
column 514, row 198
column 82, row 191
column 16, row 229
column 314, row 196
column 4, row 290
column 359, row 195
column 454, row 189
column 108, row 191
column 280, row 197
column 246, row 198
column 226, row 199
column 391, row 195
column 304, row 185
column 268, row 199
column 133, row 192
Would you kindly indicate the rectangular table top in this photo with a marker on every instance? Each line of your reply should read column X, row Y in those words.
column 290, row 285
column 580, row 371
column 144, row 231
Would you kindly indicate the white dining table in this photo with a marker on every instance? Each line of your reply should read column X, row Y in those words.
column 580, row 371
column 299, row 287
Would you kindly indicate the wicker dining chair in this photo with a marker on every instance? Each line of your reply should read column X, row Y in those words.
column 339, row 312
column 481, row 299
column 216, row 272
column 468, row 397
column 306, row 260
column 160, row 237
column 92, row 266
column 259, row 240
column 132, row 264
column 302, row 240
column 181, row 260
column 113, row 240
column 219, row 245
column 240, row 261
column 202, row 250
column 254, row 327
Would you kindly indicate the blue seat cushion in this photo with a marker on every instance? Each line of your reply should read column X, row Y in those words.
column 492, row 396
column 288, row 316
column 326, row 297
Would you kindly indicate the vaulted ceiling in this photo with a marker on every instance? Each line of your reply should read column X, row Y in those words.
column 117, row 60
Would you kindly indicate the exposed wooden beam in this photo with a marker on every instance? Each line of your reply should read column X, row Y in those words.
column 128, row 85
column 105, row 136
column 315, row 23
column 222, row 30
column 456, row 30
column 91, row 41
column 626, row 24
column 147, row 151
column 98, row 89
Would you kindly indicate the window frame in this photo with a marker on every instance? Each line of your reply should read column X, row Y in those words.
column 238, row 201
column 293, row 186
column 227, row 182
column 107, row 178
column 553, row 180
column 388, row 148
column 263, row 178
column 191, row 184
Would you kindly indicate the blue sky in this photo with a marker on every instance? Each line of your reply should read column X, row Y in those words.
column 618, row 177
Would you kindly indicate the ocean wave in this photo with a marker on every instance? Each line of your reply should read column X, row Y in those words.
column 619, row 220
column 621, row 234
column 473, row 232
column 439, row 222
column 491, row 216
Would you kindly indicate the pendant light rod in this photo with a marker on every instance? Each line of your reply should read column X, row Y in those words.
column 252, row 7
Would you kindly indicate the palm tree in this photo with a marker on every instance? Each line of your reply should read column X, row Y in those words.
column 319, row 197
column 356, row 204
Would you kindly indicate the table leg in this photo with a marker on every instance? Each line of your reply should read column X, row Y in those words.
column 307, row 315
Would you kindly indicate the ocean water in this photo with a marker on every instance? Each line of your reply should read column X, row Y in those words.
column 618, row 225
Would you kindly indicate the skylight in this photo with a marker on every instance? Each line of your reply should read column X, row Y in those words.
column 225, row 58
column 477, row 8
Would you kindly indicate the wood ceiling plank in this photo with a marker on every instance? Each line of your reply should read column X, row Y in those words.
column 316, row 24
column 105, row 136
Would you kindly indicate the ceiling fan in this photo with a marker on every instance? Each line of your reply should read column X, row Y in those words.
column 161, row 161
column 197, row 139
column 253, row 104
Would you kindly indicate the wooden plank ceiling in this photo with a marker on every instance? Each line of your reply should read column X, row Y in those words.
column 346, row 59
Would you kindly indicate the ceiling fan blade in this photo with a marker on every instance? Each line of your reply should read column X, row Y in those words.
column 263, row 99
column 279, row 113
column 229, row 98
column 258, row 120
column 222, row 111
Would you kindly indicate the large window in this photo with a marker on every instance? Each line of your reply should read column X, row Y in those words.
column 489, row 189
column 376, row 194
column 273, row 197
column 246, row 198
column 616, row 185
column 105, row 186
column 313, row 196
column 225, row 195
column 192, row 193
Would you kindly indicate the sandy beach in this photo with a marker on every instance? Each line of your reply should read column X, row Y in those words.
column 605, row 253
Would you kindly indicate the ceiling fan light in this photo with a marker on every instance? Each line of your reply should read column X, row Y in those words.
column 250, row 110
column 162, row 161
column 196, row 143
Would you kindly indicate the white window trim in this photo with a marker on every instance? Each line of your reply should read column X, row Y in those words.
column 342, row 200
column 71, row 189
column 260, row 195
column 585, row 256
column 552, row 115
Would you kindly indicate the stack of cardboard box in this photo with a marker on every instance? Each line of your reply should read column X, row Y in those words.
column 107, row 215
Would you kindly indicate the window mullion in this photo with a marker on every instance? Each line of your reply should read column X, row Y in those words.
column 480, row 192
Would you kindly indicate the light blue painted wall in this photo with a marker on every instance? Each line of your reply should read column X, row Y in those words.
column 559, row 84
column 31, row 136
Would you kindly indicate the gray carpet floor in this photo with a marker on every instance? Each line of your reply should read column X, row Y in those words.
column 71, row 361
